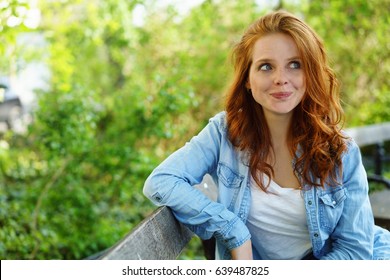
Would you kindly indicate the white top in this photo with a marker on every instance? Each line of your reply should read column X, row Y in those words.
column 277, row 223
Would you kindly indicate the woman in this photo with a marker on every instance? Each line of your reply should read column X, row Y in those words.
column 291, row 185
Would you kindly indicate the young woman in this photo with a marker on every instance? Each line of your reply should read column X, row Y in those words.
column 291, row 185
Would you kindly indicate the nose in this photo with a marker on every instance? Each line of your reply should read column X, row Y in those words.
column 280, row 77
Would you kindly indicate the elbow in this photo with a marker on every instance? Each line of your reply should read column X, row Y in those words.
column 150, row 190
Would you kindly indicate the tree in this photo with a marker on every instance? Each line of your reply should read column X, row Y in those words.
column 355, row 33
column 14, row 19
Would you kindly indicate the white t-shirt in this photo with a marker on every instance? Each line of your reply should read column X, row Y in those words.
column 277, row 222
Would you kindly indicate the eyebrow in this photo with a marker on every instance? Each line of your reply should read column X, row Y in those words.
column 264, row 60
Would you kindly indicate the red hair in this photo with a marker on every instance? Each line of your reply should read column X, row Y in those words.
column 314, row 135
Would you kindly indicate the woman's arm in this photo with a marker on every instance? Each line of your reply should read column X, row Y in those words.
column 243, row 252
column 171, row 184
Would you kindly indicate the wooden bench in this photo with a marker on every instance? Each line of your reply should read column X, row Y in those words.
column 376, row 135
column 158, row 237
column 162, row 237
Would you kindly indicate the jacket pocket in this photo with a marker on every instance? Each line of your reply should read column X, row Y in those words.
column 331, row 206
column 228, row 177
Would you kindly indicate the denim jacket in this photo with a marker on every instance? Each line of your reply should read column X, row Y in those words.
column 339, row 219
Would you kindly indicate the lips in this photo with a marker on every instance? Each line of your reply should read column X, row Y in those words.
column 281, row 95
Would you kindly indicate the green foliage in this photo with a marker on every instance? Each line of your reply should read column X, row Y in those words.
column 66, row 122
column 13, row 18
column 355, row 34
column 193, row 250
column 122, row 97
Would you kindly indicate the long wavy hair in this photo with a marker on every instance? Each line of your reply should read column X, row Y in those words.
column 315, row 140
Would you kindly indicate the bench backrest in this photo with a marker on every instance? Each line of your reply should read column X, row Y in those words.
column 371, row 134
column 159, row 237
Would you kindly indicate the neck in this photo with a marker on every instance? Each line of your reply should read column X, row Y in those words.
column 279, row 128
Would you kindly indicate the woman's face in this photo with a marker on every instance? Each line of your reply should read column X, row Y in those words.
column 276, row 77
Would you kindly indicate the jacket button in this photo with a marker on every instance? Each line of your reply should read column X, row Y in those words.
column 315, row 234
column 157, row 197
column 309, row 202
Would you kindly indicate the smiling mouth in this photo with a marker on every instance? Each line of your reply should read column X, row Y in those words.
column 281, row 95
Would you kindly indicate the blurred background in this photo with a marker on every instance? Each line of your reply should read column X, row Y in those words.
column 94, row 94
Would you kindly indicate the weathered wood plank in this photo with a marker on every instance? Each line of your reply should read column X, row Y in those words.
column 380, row 202
column 159, row 237
column 371, row 134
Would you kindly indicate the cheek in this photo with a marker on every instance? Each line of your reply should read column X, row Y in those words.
column 300, row 83
column 258, row 83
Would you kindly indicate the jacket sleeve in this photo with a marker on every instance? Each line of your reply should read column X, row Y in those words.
column 353, row 237
column 171, row 184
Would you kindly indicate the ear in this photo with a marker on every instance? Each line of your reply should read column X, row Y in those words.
column 248, row 85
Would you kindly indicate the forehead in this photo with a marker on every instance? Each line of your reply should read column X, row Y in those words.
column 274, row 45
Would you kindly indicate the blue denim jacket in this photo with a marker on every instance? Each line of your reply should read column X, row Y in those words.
column 340, row 219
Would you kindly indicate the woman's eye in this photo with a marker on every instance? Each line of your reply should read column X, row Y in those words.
column 265, row 67
column 295, row 65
